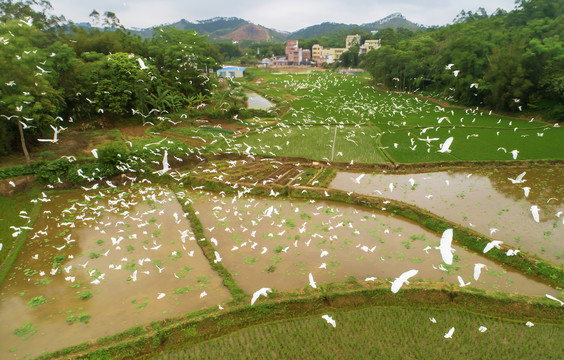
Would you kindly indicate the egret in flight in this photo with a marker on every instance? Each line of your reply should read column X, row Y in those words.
column 446, row 145
column 311, row 281
column 445, row 246
column 264, row 292
column 329, row 320
column 403, row 279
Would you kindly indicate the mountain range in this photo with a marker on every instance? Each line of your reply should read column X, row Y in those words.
column 236, row 29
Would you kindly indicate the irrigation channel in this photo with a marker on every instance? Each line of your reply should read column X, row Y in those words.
column 103, row 261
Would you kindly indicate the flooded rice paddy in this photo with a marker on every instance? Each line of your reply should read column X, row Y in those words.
column 103, row 262
column 277, row 243
column 485, row 200
column 255, row 101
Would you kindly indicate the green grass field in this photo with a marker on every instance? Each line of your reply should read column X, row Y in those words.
column 386, row 333
column 325, row 99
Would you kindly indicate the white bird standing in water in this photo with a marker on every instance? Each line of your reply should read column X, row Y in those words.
column 445, row 247
column 403, row 279
column 264, row 292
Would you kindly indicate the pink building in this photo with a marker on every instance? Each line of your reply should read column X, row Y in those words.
column 306, row 55
column 293, row 52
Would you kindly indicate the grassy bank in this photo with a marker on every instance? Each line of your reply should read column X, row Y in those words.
column 12, row 209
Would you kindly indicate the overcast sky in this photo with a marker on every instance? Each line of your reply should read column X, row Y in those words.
column 287, row 15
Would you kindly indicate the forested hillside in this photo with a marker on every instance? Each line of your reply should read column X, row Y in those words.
column 507, row 61
column 53, row 74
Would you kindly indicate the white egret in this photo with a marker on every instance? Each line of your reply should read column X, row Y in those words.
column 358, row 178
column 482, row 329
column 264, row 292
column 529, row 324
column 461, row 282
column 142, row 64
column 446, row 145
column 311, row 281
column 161, row 295
column 535, row 212
column 329, row 320
column 478, row 269
column 402, row 279
column 518, row 179
column 491, row 245
column 448, row 335
column 445, row 247
column 553, row 298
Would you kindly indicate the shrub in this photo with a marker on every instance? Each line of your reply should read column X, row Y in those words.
column 52, row 171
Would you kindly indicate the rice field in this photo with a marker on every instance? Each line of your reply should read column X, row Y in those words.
column 382, row 126
column 386, row 333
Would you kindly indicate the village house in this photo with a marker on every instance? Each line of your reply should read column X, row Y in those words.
column 231, row 72
column 320, row 55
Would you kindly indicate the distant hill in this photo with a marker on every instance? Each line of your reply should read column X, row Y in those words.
column 237, row 29
column 224, row 28
column 395, row 21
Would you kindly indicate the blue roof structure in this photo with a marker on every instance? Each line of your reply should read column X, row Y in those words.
column 232, row 68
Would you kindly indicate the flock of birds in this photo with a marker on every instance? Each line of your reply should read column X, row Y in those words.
column 352, row 114
column 407, row 121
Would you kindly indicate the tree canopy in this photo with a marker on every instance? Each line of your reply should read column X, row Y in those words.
column 508, row 61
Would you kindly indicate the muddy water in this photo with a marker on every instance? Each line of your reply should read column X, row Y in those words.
column 255, row 101
column 105, row 239
column 484, row 200
column 276, row 243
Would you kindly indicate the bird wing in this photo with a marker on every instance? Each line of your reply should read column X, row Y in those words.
column 311, row 281
column 520, row 176
column 488, row 247
column 445, row 246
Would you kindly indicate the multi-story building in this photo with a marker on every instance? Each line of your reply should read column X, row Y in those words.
column 316, row 52
column 369, row 45
column 306, row 55
column 293, row 52
column 352, row 40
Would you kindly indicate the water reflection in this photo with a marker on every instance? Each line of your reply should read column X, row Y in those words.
column 255, row 101
column 277, row 243
column 82, row 256
column 484, row 200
